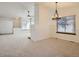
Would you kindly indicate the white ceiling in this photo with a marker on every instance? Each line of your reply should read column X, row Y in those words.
column 60, row 4
column 13, row 9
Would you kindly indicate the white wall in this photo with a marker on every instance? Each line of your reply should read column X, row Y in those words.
column 6, row 26
column 41, row 29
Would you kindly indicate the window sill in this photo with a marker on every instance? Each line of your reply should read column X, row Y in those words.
column 67, row 33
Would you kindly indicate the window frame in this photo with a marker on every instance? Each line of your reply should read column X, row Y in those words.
column 74, row 25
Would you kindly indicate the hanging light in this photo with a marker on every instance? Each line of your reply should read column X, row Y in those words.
column 56, row 15
column 28, row 14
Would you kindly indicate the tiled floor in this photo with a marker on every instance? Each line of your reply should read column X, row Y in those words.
column 19, row 46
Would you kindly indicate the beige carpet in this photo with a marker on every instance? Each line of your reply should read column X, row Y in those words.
column 17, row 45
column 52, row 48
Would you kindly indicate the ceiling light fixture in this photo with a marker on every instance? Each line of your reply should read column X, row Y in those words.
column 56, row 15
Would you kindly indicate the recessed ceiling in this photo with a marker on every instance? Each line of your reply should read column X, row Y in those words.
column 60, row 4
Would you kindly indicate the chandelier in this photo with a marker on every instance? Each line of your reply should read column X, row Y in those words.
column 56, row 15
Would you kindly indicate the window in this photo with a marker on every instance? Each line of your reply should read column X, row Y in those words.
column 66, row 25
column 26, row 23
